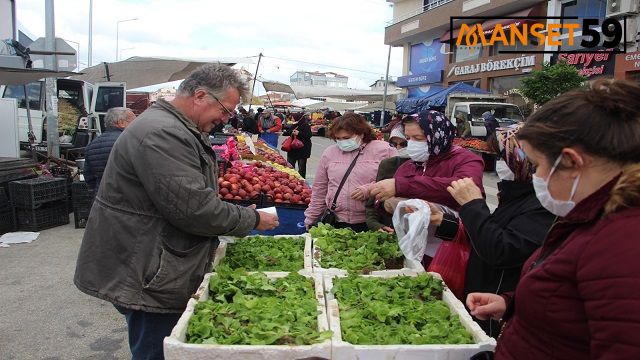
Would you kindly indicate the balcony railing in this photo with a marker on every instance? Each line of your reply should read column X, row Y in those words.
column 430, row 6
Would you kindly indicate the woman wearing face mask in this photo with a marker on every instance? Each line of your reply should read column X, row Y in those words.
column 501, row 241
column 578, row 295
column 435, row 163
column 377, row 217
column 353, row 136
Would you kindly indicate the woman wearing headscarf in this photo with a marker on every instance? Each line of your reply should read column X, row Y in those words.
column 435, row 162
column 504, row 240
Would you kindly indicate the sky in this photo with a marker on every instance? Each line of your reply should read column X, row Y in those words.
column 343, row 36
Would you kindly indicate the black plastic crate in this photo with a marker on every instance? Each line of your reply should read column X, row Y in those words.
column 45, row 217
column 7, row 219
column 82, row 201
column 31, row 193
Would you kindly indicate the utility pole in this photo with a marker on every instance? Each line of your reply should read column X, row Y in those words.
column 90, row 33
column 254, row 81
column 51, row 62
column 386, row 84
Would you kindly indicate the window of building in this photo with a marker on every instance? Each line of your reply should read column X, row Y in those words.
column 474, row 83
column 466, row 53
column 634, row 76
column 596, row 9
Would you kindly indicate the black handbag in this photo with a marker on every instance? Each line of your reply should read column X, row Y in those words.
column 329, row 215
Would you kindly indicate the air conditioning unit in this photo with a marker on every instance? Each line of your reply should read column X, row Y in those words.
column 621, row 7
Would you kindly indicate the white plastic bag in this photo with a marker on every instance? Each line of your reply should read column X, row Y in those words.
column 412, row 228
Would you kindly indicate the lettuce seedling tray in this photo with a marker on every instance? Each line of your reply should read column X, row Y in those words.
column 342, row 350
column 175, row 346
column 221, row 251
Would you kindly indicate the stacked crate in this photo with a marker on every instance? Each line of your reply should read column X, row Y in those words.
column 39, row 203
column 82, row 201
column 7, row 222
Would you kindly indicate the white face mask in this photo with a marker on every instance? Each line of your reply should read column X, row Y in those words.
column 349, row 145
column 503, row 170
column 403, row 153
column 418, row 150
column 556, row 207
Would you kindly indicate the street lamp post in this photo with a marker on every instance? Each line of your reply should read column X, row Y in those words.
column 77, row 54
column 118, row 33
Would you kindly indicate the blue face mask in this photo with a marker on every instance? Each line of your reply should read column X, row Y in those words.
column 349, row 145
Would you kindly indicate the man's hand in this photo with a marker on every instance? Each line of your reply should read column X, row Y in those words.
column 295, row 132
column 384, row 189
column 267, row 221
column 464, row 190
column 486, row 305
column 358, row 194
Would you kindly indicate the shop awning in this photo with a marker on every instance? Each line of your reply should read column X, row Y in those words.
column 14, row 76
column 144, row 71
column 276, row 86
column 507, row 21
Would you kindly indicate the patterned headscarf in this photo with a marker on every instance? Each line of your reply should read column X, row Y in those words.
column 511, row 152
column 438, row 130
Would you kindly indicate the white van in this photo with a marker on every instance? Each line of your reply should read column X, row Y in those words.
column 506, row 114
column 93, row 101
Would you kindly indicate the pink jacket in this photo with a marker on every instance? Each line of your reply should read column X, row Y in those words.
column 332, row 167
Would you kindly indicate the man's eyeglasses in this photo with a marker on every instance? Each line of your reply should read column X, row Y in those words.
column 229, row 112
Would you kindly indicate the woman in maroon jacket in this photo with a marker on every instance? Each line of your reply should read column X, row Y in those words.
column 436, row 162
column 579, row 295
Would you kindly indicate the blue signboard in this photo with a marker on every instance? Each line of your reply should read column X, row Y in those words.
column 427, row 57
column 420, row 79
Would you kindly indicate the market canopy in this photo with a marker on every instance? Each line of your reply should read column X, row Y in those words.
column 16, row 76
column 335, row 106
column 345, row 94
column 376, row 106
column 144, row 71
column 438, row 98
column 276, row 86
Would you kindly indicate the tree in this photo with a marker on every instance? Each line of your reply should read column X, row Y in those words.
column 550, row 81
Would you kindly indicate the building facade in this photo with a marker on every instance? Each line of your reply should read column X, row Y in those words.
column 432, row 60
column 322, row 79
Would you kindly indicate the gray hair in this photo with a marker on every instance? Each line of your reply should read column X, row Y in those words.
column 114, row 115
column 215, row 78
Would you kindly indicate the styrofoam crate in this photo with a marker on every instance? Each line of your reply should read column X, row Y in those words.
column 409, row 266
column 221, row 251
column 175, row 346
column 342, row 350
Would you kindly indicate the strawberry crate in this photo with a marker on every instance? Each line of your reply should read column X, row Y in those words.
column 31, row 193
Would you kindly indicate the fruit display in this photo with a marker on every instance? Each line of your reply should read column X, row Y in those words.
column 263, row 152
column 251, row 309
column 396, row 310
column 266, row 253
column 363, row 252
column 473, row 144
column 245, row 181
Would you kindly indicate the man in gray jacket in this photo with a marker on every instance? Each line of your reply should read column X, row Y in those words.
column 153, row 227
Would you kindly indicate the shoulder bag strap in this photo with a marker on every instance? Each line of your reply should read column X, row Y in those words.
column 344, row 179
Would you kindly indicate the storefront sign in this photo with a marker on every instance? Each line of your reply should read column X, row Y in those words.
column 421, row 79
column 633, row 60
column 515, row 63
column 427, row 57
column 589, row 64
